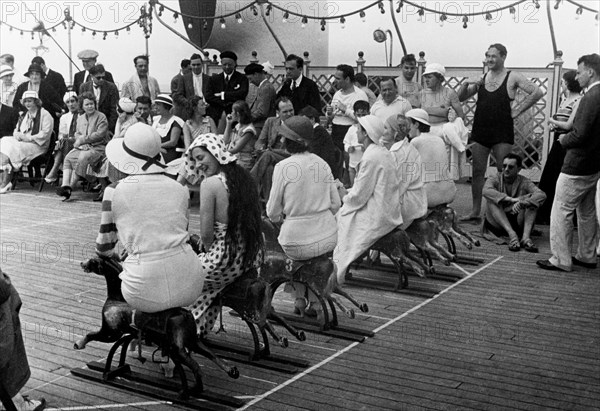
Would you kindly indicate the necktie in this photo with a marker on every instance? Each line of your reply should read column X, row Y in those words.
column 226, row 81
column 73, row 126
column 293, row 85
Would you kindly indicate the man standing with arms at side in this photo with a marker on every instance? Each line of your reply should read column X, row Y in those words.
column 301, row 90
column 224, row 89
column 262, row 106
column 107, row 95
column 493, row 125
column 576, row 184
column 184, row 68
column 191, row 83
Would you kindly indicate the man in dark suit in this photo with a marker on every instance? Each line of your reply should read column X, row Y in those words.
column 88, row 59
column 8, row 120
column 107, row 94
column 301, row 90
column 53, row 78
column 190, row 84
column 262, row 103
column 322, row 143
column 224, row 89
column 179, row 110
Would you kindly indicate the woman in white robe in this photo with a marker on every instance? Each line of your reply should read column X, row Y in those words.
column 371, row 209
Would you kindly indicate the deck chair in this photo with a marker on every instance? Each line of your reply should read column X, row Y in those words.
column 34, row 168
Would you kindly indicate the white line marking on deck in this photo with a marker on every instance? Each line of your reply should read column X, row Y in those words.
column 47, row 383
column 101, row 407
column 351, row 346
column 311, row 345
column 461, row 269
column 256, row 379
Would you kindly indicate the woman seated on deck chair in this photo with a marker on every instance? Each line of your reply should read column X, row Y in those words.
column 230, row 224
column 30, row 139
column 305, row 198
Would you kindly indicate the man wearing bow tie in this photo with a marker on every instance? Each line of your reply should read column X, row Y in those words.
column 224, row 89
column 301, row 90
column 107, row 94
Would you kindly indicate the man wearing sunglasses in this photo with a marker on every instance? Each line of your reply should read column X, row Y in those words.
column 512, row 205
column 107, row 94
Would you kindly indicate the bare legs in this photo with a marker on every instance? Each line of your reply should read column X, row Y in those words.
column 5, row 175
column 480, row 161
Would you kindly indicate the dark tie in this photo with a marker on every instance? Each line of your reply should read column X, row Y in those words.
column 73, row 126
column 293, row 87
column 226, row 81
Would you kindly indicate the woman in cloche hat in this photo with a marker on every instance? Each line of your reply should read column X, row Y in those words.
column 51, row 100
column 147, row 212
column 230, row 229
column 30, row 139
column 305, row 198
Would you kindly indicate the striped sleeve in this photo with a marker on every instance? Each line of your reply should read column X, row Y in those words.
column 107, row 235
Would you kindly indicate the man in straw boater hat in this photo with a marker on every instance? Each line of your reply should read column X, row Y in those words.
column 89, row 59
column 224, row 89
column 371, row 209
column 161, row 270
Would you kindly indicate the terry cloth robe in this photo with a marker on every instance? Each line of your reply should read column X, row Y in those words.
column 14, row 369
column 456, row 135
column 371, row 209
column 495, row 190
column 411, row 191
column 133, row 89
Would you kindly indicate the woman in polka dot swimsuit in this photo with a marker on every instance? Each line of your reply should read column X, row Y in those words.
column 230, row 220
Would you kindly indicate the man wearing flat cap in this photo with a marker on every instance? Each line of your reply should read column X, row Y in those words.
column 224, row 89
column 262, row 102
column 88, row 59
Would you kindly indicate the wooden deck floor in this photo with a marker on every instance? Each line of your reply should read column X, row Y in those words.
column 502, row 335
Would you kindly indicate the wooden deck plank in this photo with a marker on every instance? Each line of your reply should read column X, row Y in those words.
column 446, row 354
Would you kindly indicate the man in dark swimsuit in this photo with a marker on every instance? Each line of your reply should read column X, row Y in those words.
column 493, row 128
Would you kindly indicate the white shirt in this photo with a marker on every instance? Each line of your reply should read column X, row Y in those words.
column 346, row 118
column 96, row 91
column 198, row 84
column 296, row 83
column 591, row 85
column 384, row 111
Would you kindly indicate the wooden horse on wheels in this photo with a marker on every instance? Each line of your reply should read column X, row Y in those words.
column 173, row 331
column 318, row 275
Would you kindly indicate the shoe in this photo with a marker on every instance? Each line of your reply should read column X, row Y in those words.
column 32, row 405
column 547, row 265
column 582, row 264
column 64, row 191
column 50, row 180
column 6, row 188
column 529, row 246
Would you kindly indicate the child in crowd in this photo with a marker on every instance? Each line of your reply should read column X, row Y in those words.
column 351, row 145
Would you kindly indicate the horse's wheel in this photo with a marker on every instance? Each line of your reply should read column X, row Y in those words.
column 301, row 336
column 284, row 342
column 364, row 307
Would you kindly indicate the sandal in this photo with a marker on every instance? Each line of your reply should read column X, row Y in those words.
column 514, row 244
column 529, row 246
